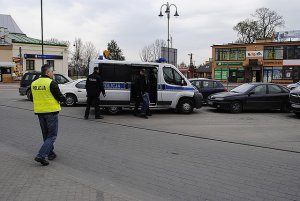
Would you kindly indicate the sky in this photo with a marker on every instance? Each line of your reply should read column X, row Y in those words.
column 135, row 23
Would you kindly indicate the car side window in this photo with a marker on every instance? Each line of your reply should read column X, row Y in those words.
column 60, row 79
column 81, row 84
column 260, row 90
column 207, row 84
column 198, row 84
column 273, row 89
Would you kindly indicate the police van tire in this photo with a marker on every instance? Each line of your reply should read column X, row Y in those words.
column 70, row 100
column 29, row 94
column 185, row 106
column 113, row 110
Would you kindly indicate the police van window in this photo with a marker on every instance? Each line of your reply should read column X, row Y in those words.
column 107, row 72
column 122, row 73
column 171, row 76
column 81, row 84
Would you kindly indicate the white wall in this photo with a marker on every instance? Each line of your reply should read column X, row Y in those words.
column 60, row 65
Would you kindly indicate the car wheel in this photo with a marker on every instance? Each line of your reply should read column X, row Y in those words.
column 29, row 95
column 113, row 110
column 285, row 108
column 236, row 107
column 70, row 100
column 185, row 106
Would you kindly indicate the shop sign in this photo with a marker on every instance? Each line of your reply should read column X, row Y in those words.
column 229, row 63
column 295, row 62
column 273, row 63
column 39, row 56
column 254, row 53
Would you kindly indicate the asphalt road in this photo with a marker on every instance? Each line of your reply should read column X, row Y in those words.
column 203, row 156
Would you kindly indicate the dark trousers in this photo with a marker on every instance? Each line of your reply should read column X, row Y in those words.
column 91, row 101
column 145, row 107
column 49, row 126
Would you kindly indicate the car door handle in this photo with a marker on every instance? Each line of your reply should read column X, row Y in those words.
column 79, row 91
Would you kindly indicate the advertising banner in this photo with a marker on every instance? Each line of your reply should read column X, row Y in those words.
column 287, row 34
column 254, row 53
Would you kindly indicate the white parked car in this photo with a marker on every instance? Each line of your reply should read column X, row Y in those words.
column 74, row 91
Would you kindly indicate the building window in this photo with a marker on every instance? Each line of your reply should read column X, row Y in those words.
column 277, row 73
column 273, row 52
column 221, row 73
column 230, row 54
column 29, row 64
column 291, row 52
column 50, row 63
column 287, row 73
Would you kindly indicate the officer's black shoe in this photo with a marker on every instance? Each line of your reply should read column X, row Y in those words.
column 143, row 116
column 51, row 156
column 43, row 161
column 86, row 117
column 99, row 117
column 149, row 114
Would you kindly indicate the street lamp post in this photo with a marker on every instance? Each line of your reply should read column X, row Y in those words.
column 167, row 11
column 42, row 32
column 76, row 57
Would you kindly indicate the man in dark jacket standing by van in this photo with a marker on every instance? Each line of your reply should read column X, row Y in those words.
column 94, row 86
column 142, row 94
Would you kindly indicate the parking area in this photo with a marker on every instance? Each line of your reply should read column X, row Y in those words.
column 207, row 155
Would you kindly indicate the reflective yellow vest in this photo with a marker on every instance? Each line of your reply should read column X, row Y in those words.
column 43, row 100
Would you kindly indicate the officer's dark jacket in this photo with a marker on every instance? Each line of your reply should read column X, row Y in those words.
column 94, row 85
column 55, row 90
column 141, row 85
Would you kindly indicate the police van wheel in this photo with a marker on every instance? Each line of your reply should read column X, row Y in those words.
column 70, row 100
column 29, row 95
column 113, row 110
column 185, row 106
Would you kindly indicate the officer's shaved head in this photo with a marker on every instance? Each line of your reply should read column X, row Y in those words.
column 46, row 68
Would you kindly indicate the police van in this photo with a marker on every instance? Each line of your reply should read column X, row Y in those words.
column 168, row 87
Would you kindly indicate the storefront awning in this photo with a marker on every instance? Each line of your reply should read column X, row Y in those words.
column 7, row 64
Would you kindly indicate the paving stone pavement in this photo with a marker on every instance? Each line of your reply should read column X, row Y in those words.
column 23, row 180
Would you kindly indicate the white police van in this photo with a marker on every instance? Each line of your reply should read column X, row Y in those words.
column 168, row 87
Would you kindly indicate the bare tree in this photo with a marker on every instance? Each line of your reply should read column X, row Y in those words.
column 157, row 45
column 152, row 52
column 89, row 53
column 77, row 56
column 146, row 54
column 263, row 26
column 268, row 20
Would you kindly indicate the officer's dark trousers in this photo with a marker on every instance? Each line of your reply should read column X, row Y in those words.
column 145, row 107
column 49, row 126
column 91, row 101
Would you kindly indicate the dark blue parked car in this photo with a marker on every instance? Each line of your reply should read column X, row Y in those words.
column 207, row 86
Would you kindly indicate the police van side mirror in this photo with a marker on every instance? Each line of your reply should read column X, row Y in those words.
column 182, row 82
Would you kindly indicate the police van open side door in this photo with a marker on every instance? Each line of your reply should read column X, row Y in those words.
column 151, row 75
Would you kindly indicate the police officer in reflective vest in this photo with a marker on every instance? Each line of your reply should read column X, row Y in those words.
column 46, row 102
column 94, row 87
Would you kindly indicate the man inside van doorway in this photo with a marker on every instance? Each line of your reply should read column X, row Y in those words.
column 142, row 94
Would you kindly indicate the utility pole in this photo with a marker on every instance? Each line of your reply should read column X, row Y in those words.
column 191, row 59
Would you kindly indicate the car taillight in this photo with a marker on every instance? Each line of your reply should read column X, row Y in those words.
column 225, row 90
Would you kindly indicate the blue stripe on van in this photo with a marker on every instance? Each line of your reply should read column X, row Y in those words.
column 115, row 85
column 165, row 87
column 160, row 87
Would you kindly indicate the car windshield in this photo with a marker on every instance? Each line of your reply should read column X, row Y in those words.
column 242, row 88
